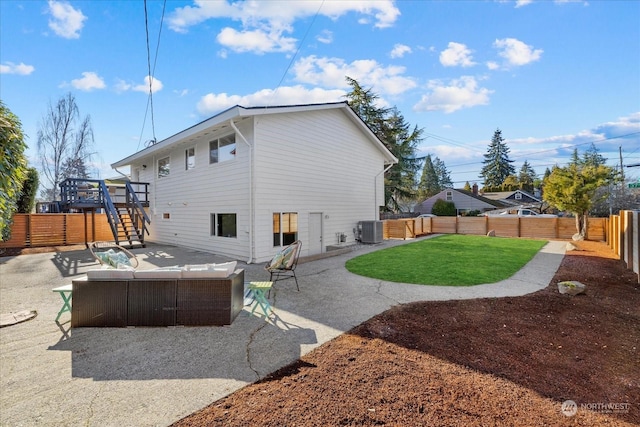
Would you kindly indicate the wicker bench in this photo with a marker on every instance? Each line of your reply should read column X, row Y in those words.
column 169, row 301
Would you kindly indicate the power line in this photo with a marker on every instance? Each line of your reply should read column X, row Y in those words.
column 151, row 72
column 298, row 48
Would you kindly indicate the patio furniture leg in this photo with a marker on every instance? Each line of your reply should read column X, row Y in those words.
column 65, row 292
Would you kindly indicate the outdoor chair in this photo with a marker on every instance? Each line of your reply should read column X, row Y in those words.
column 112, row 255
column 283, row 265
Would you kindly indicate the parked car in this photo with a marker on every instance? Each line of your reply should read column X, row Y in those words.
column 427, row 216
column 524, row 213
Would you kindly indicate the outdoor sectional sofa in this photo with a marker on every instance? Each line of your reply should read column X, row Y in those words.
column 186, row 296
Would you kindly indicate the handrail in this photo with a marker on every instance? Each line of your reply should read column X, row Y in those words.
column 137, row 209
column 110, row 209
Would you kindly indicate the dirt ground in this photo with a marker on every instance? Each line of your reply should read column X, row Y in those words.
column 489, row 362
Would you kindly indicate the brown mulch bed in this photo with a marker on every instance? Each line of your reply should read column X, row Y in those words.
column 507, row 361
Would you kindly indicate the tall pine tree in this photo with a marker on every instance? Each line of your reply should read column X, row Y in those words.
column 497, row 165
column 390, row 127
column 526, row 177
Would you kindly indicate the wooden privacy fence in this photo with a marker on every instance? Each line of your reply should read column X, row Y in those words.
column 541, row 228
column 37, row 230
column 624, row 238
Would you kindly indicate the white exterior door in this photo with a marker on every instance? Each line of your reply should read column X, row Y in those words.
column 315, row 233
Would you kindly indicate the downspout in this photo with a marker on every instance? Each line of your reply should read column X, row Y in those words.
column 251, row 219
column 375, row 192
column 123, row 174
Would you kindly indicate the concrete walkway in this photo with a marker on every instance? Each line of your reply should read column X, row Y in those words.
column 50, row 375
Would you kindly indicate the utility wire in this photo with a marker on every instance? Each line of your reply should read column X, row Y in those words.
column 151, row 72
column 298, row 48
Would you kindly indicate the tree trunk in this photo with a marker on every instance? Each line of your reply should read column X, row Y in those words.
column 582, row 221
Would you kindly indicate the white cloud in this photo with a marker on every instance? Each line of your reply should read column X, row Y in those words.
column 456, row 54
column 65, row 20
column 264, row 23
column 88, row 82
column 257, row 41
column 325, row 37
column 399, row 50
column 21, row 68
column 516, row 53
column 459, row 93
column 123, row 86
column 331, row 72
column 286, row 95
column 521, row 3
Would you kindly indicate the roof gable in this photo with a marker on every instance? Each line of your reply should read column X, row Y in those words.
column 238, row 113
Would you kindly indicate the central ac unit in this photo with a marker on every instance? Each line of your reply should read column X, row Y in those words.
column 370, row 231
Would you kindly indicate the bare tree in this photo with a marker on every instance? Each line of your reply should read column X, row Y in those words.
column 63, row 149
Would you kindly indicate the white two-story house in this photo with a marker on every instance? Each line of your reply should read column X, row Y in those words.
column 249, row 181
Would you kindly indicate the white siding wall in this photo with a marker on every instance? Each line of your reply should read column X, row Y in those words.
column 314, row 162
column 190, row 196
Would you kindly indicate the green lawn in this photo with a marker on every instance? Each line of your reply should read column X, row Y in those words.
column 449, row 260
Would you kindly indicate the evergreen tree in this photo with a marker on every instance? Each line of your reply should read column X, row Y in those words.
column 527, row 177
column 27, row 199
column 401, row 178
column 467, row 186
column 444, row 178
column 390, row 127
column 497, row 165
column 574, row 187
column 592, row 157
column 429, row 185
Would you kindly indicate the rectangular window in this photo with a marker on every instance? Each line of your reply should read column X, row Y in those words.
column 518, row 196
column 190, row 158
column 222, row 149
column 449, row 196
column 223, row 225
column 166, row 215
column 285, row 228
column 163, row 167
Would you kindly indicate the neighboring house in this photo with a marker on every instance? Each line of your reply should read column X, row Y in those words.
column 464, row 201
column 513, row 198
column 249, row 181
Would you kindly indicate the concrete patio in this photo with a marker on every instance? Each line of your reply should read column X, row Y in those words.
column 51, row 375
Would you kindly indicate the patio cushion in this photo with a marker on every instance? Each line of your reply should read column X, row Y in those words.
column 159, row 273
column 110, row 273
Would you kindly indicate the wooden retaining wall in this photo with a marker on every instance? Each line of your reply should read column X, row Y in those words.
column 38, row 230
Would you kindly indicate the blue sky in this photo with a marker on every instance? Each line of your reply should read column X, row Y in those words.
column 552, row 75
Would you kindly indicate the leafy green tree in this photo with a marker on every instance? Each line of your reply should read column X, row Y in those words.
column 64, row 144
column 497, row 165
column 510, row 183
column 443, row 208
column 526, row 177
column 27, row 199
column 467, row 186
column 13, row 167
column 573, row 188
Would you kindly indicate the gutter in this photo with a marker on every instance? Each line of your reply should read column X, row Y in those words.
column 251, row 214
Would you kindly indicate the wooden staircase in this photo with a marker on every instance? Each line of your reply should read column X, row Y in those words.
column 125, row 210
